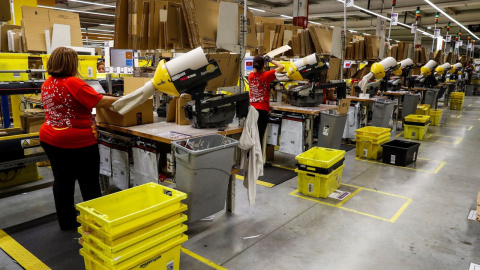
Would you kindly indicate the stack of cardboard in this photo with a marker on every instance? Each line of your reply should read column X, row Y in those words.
column 229, row 66
column 36, row 20
column 4, row 37
column 273, row 34
column 372, row 46
column 420, row 56
column 403, row 49
column 438, row 56
column 322, row 39
column 393, row 52
column 174, row 24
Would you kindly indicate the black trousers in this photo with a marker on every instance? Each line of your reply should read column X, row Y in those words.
column 69, row 165
column 262, row 124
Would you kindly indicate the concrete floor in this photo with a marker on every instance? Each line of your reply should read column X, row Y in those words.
column 399, row 218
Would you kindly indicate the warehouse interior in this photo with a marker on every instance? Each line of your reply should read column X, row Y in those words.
column 251, row 134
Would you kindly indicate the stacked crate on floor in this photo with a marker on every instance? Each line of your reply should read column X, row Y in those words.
column 435, row 116
column 416, row 126
column 456, row 100
column 423, row 109
column 138, row 228
column 369, row 141
column 320, row 171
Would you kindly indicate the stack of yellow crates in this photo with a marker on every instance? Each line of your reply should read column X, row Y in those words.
column 423, row 109
column 369, row 141
column 435, row 116
column 138, row 228
column 456, row 100
column 320, row 171
column 416, row 126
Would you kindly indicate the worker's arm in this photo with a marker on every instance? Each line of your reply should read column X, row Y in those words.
column 106, row 102
column 279, row 66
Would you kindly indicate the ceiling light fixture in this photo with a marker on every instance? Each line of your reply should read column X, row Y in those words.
column 92, row 3
column 285, row 16
column 352, row 31
column 101, row 30
column 78, row 11
column 452, row 19
column 386, row 18
column 111, row 25
column 256, row 9
column 315, row 22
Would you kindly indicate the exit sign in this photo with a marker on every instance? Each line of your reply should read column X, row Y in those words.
column 474, row 27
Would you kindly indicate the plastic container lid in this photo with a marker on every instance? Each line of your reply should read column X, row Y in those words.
column 417, row 118
column 320, row 157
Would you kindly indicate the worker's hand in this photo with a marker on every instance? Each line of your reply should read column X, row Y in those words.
column 267, row 58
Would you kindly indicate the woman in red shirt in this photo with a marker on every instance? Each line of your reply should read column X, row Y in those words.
column 259, row 83
column 68, row 135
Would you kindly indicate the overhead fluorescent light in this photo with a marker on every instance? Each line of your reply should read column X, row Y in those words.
column 388, row 19
column 102, row 24
column 98, row 34
column 452, row 19
column 366, row 34
column 332, row 26
column 92, row 3
column 397, row 40
column 78, row 11
column 285, row 16
column 352, row 31
column 315, row 22
column 256, row 9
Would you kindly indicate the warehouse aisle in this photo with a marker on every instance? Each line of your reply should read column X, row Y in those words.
column 395, row 218
column 399, row 218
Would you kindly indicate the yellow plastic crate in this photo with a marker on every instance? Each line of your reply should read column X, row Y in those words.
column 13, row 61
column 374, row 132
column 375, row 140
column 435, row 116
column 320, row 157
column 319, row 185
column 112, row 255
column 457, row 95
column 95, row 239
column 415, row 132
column 454, row 105
column 370, row 150
column 162, row 257
column 87, row 66
column 417, row 118
column 133, row 207
column 423, row 109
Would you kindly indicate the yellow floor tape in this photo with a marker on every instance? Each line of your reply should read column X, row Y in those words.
column 26, row 259
column 203, row 260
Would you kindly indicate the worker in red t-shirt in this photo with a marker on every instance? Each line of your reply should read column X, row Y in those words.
column 259, row 83
column 68, row 135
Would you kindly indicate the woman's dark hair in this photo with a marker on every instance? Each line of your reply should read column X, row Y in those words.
column 63, row 62
column 258, row 62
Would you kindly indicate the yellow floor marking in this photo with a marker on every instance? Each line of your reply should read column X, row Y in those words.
column 430, row 135
column 400, row 134
column 339, row 206
column 260, row 183
column 377, row 191
column 442, row 163
column 349, row 196
column 203, row 260
column 470, row 128
column 26, row 259
column 283, row 167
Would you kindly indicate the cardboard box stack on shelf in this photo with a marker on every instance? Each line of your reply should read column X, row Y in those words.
column 181, row 25
column 363, row 48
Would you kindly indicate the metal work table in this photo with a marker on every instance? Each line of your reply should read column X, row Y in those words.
column 156, row 131
column 309, row 112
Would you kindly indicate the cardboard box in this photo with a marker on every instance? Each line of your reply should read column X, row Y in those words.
column 322, row 39
column 36, row 13
column 202, row 17
column 172, row 110
column 334, row 70
column 180, row 117
column 140, row 115
column 229, row 66
column 344, row 106
column 121, row 24
column 31, row 124
column 3, row 35
column 259, row 19
column 131, row 84
column 67, row 18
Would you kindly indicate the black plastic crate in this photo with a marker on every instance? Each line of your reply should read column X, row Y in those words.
column 318, row 170
column 400, row 153
column 416, row 123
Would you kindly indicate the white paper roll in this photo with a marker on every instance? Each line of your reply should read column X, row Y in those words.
column 134, row 99
column 311, row 60
column 194, row 59
column 388, row 62
column 431, row 64
column 446, row 66
column 406, row 63
column 458, row 66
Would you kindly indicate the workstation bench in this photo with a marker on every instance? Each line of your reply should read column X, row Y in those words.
column 165, row 133
column 309, row 112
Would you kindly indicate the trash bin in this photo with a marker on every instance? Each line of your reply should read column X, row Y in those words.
column 410, row 102
column 431, row 97
column 203, row 167
column 469, row 90
column 382, row 112
column 332, row 125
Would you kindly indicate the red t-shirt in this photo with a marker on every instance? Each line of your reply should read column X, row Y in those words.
column 68, row 104
column 259, row 83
